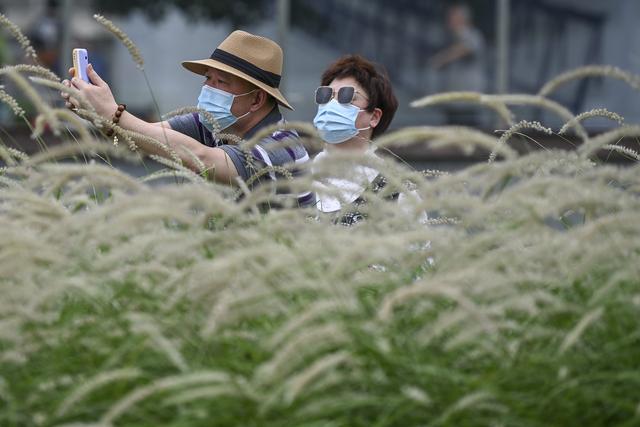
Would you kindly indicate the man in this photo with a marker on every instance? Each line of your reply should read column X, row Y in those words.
column 462, row 63
column 240, row 91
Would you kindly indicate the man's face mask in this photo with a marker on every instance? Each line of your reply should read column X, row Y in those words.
column 336, row 123
column 218, row 103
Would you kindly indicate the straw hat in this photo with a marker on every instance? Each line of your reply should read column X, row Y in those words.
column 255, row 59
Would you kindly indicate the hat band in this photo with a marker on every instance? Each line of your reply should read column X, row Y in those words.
column 266, row 77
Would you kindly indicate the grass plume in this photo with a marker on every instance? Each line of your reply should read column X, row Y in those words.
column 32, row 69
column 596, row 112
column 469, row 97
column 524, row 124
column 17, row 34
column 590, row 71
column 136, row 56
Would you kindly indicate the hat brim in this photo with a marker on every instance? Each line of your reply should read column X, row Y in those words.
column 201, row 66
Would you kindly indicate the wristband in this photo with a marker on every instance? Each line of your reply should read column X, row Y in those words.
column 115, row 119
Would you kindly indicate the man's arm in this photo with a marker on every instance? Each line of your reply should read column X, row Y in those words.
column 216, row 161
column 469, row 43
column 452, row 53
column 164, row 123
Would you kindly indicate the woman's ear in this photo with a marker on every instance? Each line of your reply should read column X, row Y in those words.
column 375, row 117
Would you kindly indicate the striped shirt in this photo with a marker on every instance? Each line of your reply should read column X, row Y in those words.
column 262, row 155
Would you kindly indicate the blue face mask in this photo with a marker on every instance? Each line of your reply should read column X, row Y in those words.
column 218, row 103
column 336, row 122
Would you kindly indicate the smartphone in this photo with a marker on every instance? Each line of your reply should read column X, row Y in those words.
column 80, row 62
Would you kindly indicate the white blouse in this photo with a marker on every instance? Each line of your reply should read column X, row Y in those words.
column 344, row 190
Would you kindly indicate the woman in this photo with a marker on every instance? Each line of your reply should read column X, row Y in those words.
column 356, row 103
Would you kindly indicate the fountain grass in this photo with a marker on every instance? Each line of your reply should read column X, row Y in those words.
column 130, row 304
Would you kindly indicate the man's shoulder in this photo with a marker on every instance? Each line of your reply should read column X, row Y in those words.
column 188, row 124
column 283, row 145
column 281, row 134
column 183, row 119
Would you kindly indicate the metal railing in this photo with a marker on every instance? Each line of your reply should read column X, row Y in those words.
column 545, row 38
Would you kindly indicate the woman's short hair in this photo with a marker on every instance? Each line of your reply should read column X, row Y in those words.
column 373, row 79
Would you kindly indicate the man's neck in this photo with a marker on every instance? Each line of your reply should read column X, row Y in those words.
column 244, row 125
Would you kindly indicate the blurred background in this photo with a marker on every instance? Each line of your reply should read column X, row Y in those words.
column 517, row 45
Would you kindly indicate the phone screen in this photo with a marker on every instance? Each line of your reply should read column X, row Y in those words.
column 80, row 62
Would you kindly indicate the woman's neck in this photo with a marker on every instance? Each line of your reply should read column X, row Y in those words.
column 356, row 144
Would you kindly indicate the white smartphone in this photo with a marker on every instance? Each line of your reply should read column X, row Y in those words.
column 80, row 62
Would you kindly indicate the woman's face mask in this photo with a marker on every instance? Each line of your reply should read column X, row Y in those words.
column 218, row 103
column 336, row 123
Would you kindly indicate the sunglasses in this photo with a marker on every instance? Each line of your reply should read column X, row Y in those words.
column 346, row 94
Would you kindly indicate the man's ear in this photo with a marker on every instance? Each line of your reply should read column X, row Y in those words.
column 259, row 100
column 375, row 117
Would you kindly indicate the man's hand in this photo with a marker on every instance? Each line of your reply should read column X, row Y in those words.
column 69, row 102
column 97, row 93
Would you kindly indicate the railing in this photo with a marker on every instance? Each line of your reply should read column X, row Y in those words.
column 545, row 38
